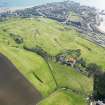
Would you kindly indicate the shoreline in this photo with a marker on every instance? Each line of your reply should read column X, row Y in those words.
column 13, row 9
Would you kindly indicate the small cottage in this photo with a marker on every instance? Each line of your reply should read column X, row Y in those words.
column 71, row 61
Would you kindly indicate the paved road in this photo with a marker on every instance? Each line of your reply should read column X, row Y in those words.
column 14, row 88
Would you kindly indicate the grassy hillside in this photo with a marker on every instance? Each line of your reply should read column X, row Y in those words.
column 33, row 67
column 63, row 97
column 71, row 79
column 53, row 38
column 29, row 63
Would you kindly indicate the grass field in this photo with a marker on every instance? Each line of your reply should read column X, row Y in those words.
column 63, row 97
column 71, row 79
column 29, row 63
column 53, row 38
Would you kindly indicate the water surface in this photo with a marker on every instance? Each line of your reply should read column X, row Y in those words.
column 24, row 3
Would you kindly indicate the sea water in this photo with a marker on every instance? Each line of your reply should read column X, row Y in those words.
column 24, row 3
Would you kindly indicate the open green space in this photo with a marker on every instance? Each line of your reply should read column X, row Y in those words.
column 50, row 35
column 63, row 97
column 54, row 38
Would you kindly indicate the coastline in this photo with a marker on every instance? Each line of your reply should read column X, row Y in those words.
column 13, row 9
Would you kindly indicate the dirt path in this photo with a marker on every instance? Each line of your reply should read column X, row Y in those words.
column 14, row 88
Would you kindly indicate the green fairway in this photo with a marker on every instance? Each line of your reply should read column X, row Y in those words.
column 51, row 36
column 63, row 97
column 29, row 64
column 54, row 38
column 71, row 79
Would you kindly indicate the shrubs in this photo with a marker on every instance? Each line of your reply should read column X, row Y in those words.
column 73, row 53
column 41, row 52
column 69, row 53
column 93, row 69
column 82, row 62
column 99, row 86
column 99, row 81
column 17, row 38
column 81, row 65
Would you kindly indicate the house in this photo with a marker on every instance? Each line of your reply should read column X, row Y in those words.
column 71, row 61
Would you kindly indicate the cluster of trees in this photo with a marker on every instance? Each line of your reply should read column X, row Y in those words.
column 90, row 69
column 68, row 53
column 41, row 52
column 93, row 69
column 17, row 38
column 99, row 86
column 37, row 50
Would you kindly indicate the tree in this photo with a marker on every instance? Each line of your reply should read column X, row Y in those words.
column 78, row 52
column 99, row 86
column 93, row 69
column 82, row 62
column 17, row 38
